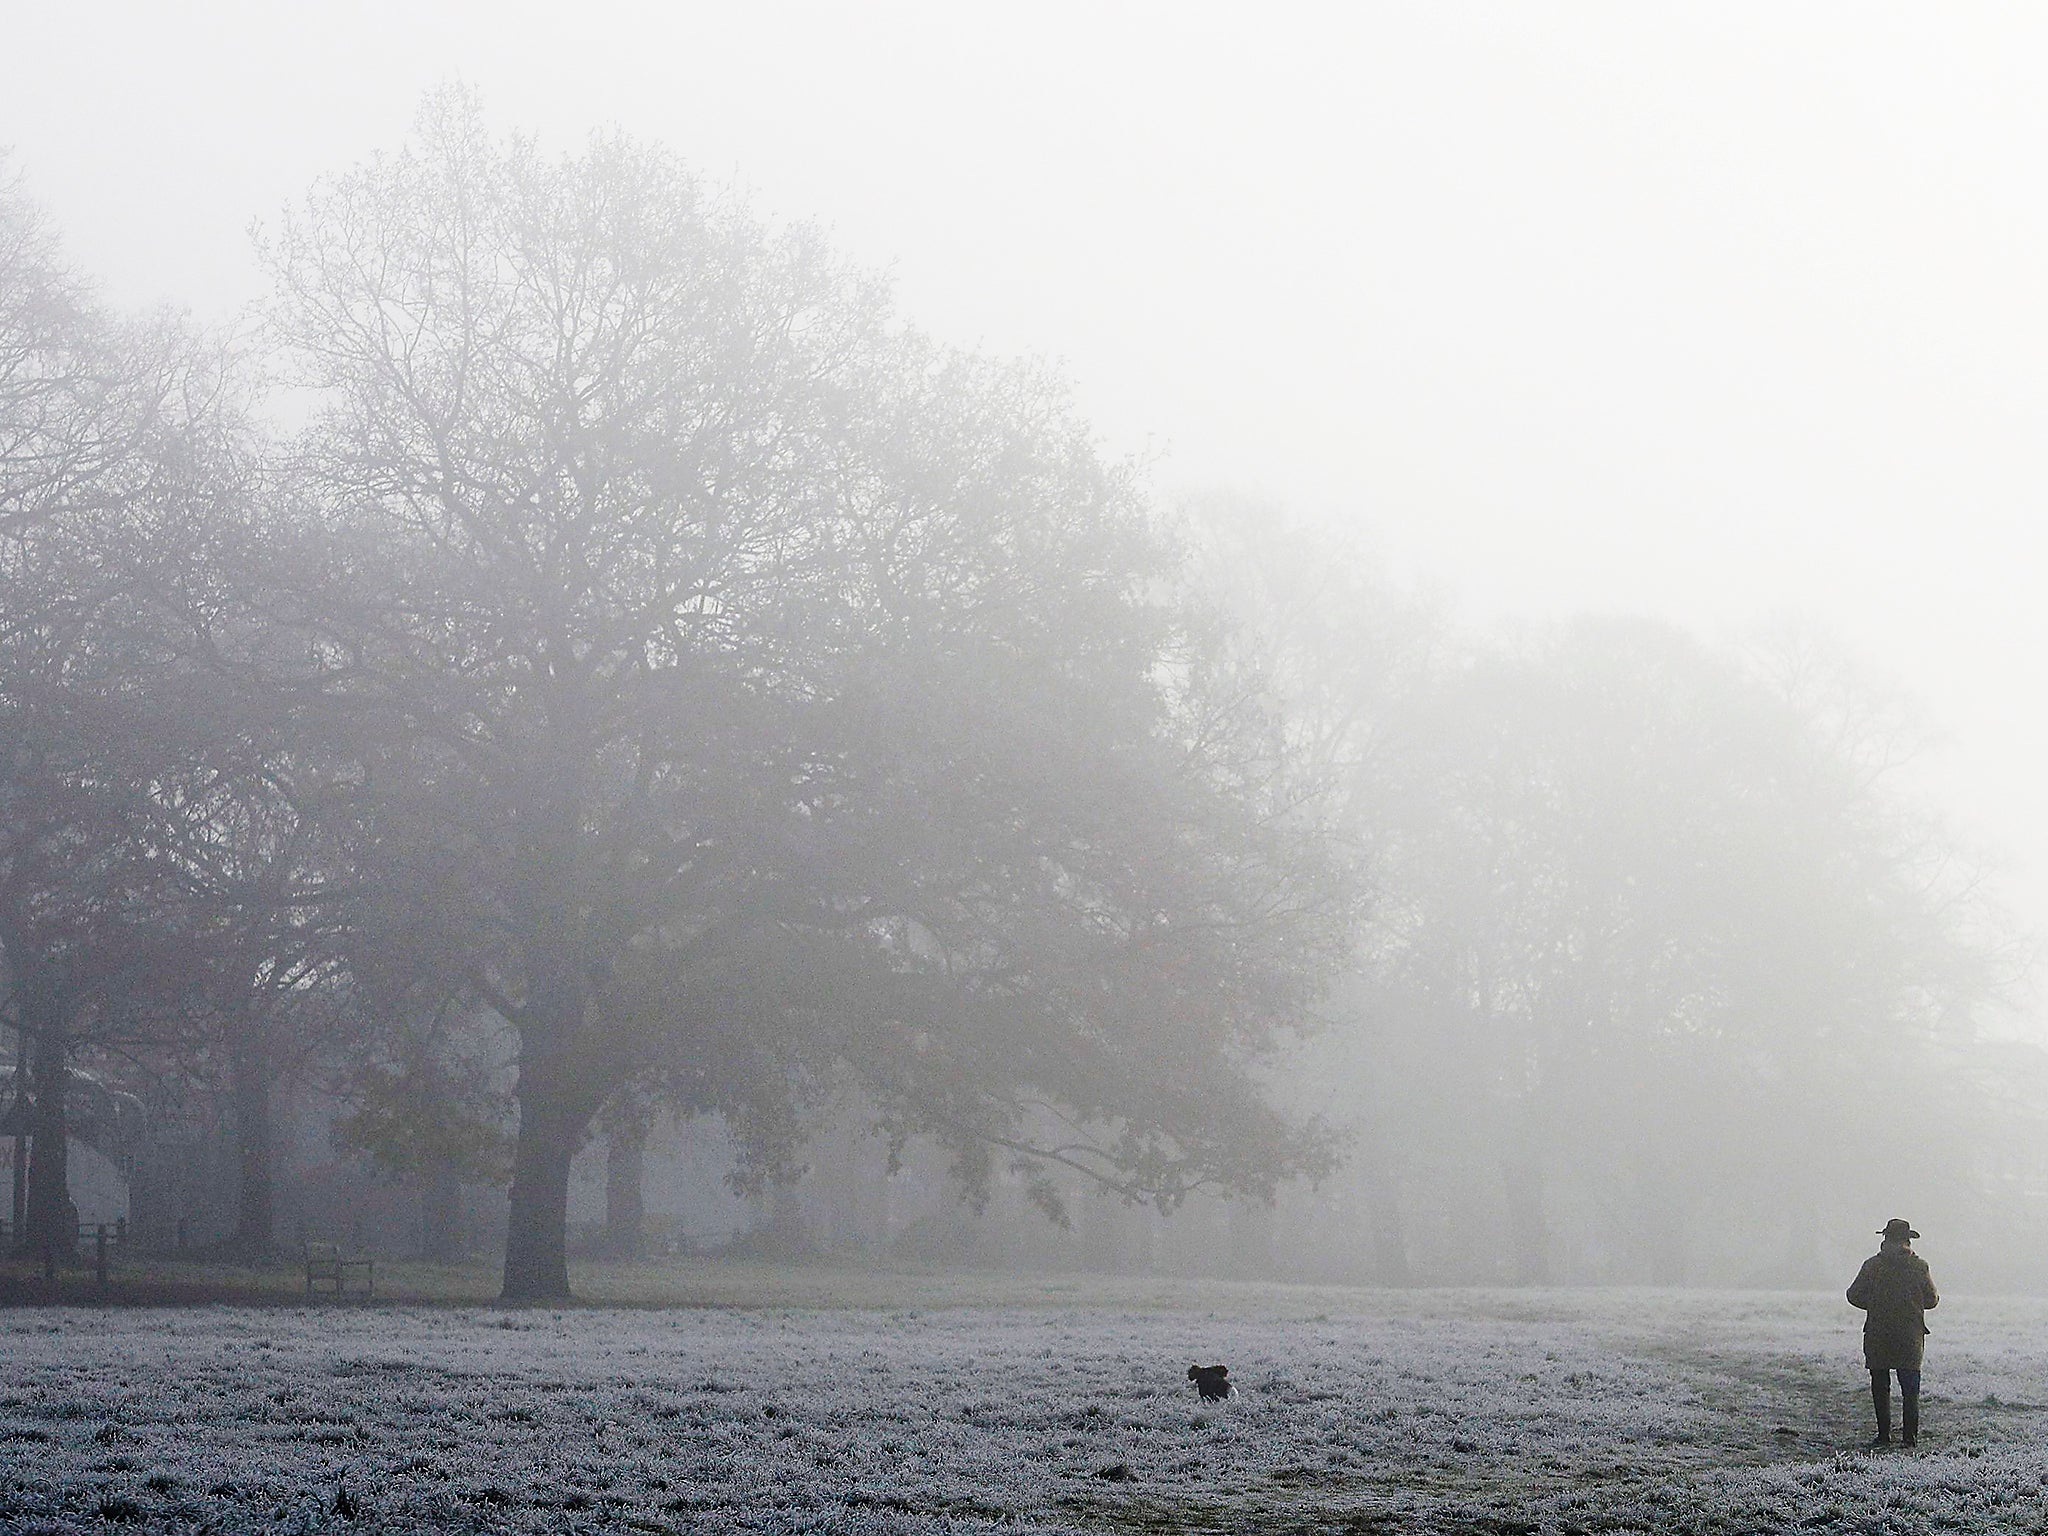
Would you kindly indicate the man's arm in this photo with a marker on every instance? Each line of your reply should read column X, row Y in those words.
column 1859, row 1288
column 1929, row 1297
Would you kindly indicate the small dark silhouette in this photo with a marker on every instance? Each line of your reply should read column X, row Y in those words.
column 1212, row 1381
column 1895, row 1293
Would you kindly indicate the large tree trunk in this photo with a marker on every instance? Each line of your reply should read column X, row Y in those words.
column 52, row 1224
column 537, row 1229
column 625, row 1155
column 256, row 1198
column 553, row 1114
column 555, row 1108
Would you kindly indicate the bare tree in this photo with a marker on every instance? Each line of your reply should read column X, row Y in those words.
column 108, row 443
column 740, row 686
column 1655, row 917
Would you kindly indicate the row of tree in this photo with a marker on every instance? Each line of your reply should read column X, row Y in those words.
column 1662, row 945
column 650, row 641
column 653, row 675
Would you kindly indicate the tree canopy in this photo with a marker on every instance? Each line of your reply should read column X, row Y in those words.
column 737, row 687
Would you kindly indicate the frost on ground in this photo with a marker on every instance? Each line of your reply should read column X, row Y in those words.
column 1466, row 1412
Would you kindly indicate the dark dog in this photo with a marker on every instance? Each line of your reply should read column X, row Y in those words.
column 1212, row 1381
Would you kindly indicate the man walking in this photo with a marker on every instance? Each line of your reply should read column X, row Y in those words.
column 1895, row 1292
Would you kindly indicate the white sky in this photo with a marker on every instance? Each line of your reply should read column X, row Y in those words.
column 1717, row 311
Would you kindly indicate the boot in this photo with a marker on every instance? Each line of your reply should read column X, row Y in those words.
column 1881, row 1400
column 1911, row 1428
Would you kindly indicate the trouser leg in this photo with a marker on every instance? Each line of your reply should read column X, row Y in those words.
column 1881, row 1401
column 1909, row 1391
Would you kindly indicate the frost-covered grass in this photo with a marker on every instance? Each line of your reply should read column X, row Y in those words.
column 1358, row 1411
column 669, row 1282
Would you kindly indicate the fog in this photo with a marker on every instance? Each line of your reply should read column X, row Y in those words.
column 1603, row 441
column 1726, row 313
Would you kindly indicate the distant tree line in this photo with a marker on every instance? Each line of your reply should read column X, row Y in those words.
column 654, row 676
column 1662, row 951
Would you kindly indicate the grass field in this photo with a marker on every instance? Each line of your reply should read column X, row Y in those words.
column 812, row 1400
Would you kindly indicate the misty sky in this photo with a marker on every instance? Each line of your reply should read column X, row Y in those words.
column 1726, row 313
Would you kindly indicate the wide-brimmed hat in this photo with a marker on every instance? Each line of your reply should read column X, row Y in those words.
column 1898, row 1226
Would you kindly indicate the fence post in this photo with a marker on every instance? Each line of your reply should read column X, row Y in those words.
column 99, row 1255
column 49, row 1262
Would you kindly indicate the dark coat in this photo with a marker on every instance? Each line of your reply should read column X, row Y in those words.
column 1895, row 1292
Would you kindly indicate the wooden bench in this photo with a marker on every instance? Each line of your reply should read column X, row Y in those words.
column 325, row 1267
